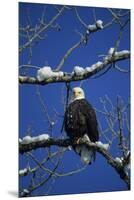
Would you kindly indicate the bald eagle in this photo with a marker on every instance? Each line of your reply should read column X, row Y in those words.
column 81, row 123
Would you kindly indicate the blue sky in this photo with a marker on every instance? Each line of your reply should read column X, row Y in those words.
column 98, row 177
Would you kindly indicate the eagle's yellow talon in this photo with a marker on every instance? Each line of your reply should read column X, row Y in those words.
column 78, row 141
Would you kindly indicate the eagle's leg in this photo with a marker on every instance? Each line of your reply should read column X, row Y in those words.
column 85, row 138
column 77, row 140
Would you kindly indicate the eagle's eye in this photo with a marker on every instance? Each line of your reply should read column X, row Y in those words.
column 76, row 92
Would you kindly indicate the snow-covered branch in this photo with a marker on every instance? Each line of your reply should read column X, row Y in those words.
column 47, row 76
column 30, row 143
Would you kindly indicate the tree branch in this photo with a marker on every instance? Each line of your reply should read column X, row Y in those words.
column 26, row 171
column 44, row 28
column 69, row 51
column 23, row 148
column 84, row 39
column 69, row 77
column 28, row 192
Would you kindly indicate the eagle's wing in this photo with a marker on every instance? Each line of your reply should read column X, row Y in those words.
column 80, row 119
column 91, row 121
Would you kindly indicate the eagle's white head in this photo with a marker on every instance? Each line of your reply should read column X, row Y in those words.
column 77, row 93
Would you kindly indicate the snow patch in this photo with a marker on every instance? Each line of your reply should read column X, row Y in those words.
column 87, row 32
column 43, row 137
column 52, row 123
column 78, row 71
column 35, row 139
column 23, row 171
column 46, row 73
column 26, row 140
column 86, row 138
column 88, row 69
column 106, row 58
column 24, row 192
column 95, row 27
column 60, row 74
column 121, row 53
column 92, row 27
column 69, row 148
column 98, row 64
column 99, row 24
column 118, row 160
column 20, row 140
column 40, row 138
column 102, row 145
column 111, row 51
column 93, row 67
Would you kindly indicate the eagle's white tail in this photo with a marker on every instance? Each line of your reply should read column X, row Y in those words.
column 85, row 153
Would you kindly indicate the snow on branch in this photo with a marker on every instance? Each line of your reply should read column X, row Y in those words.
column 28, row 139
column 46, row 75
column 103, row 146
column 28, row 144
column 24, row 192
column 24, row 172
column 96, row 26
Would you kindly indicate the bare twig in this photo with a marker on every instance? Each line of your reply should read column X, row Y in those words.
column 26, row 171
column 42, row 29
column 69, row 51
column 49, row 120
column 115, row 16
column 29, row 66
column 120, row 69
column 35, row 187
column 79, row 18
